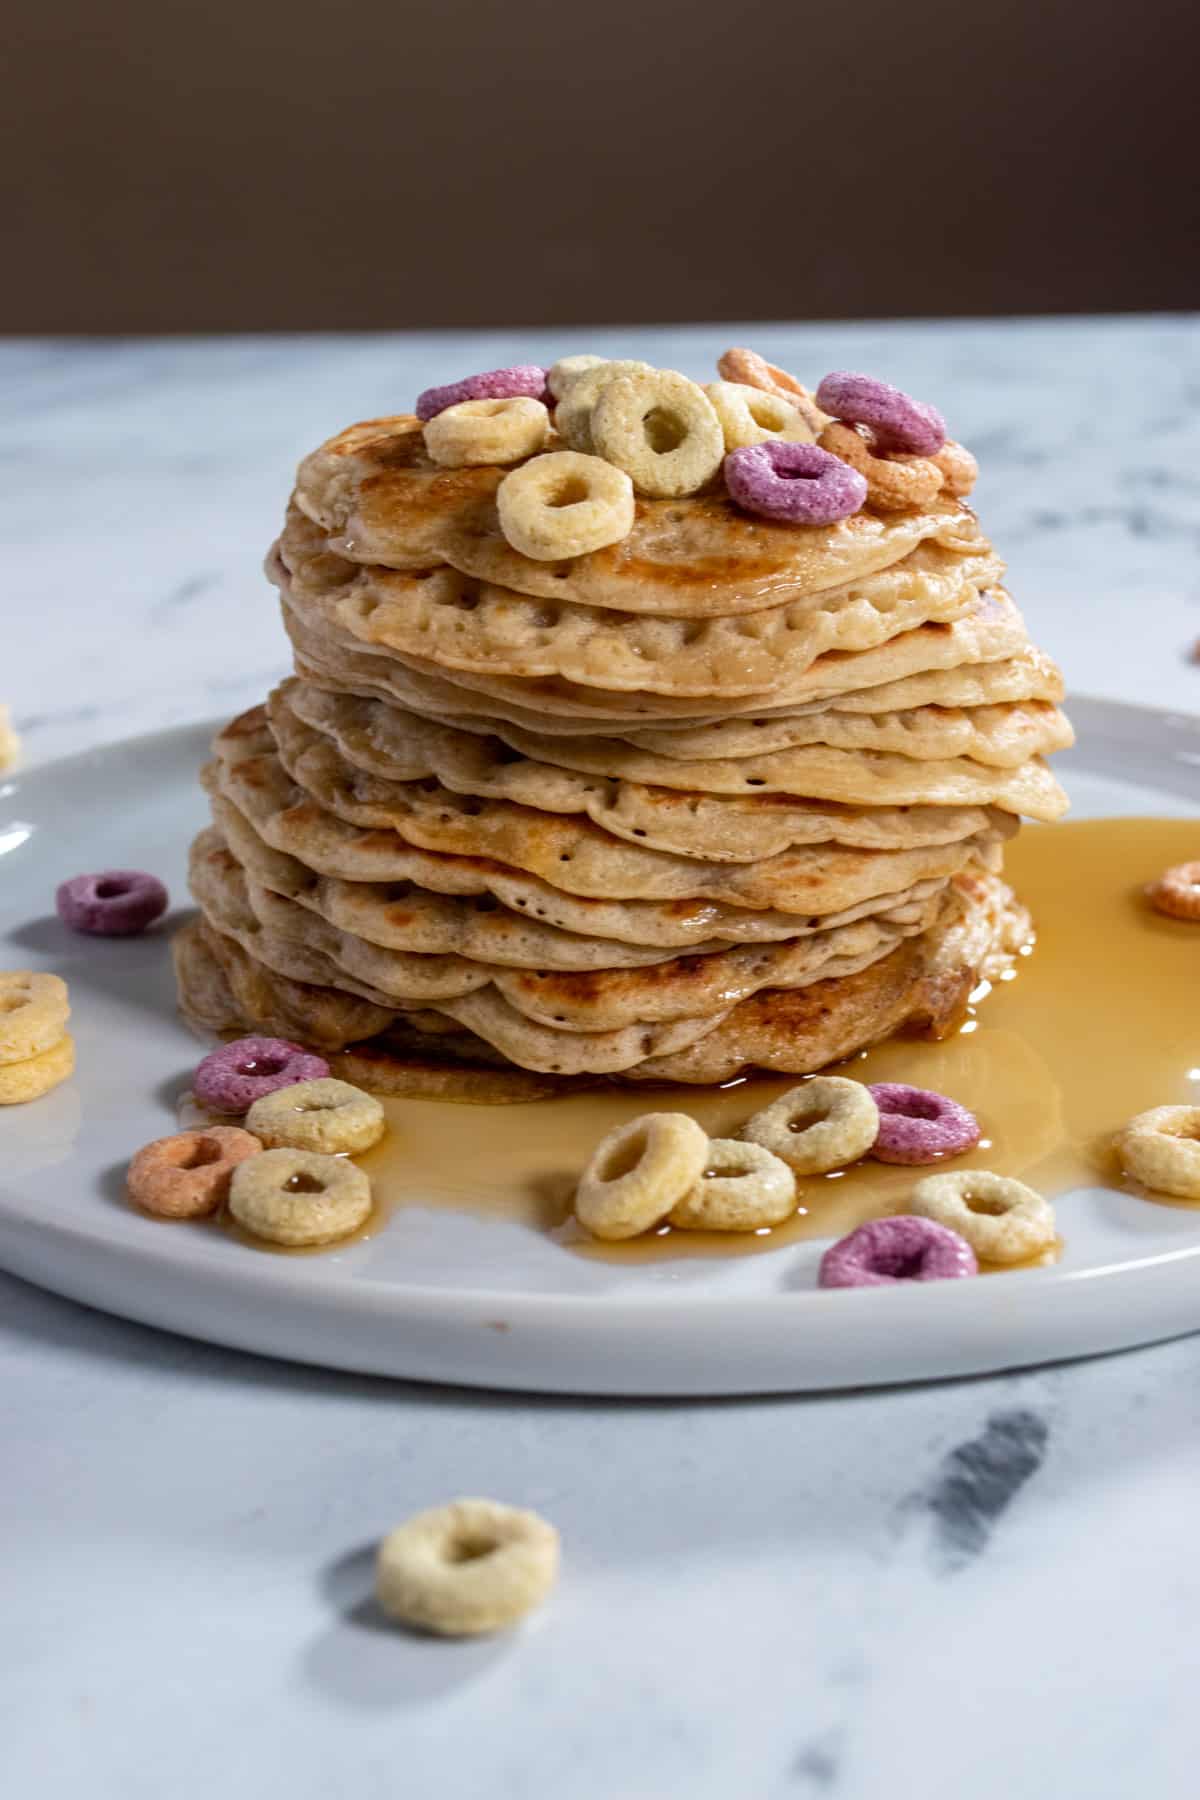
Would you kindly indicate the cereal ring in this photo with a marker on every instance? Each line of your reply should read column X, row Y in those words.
column 564, row 504
column 33, row 1013
column 795, row 482
column 888, row 1251
column 36, row 1075
column 639, row 1172
column 823, row 1124
column 493, row 384
column 662, row 429
column 743, row 1188
column 329, row 1116
column 299, row 1197
column 115, row 903
column 187, row 1176
column 1177, row 892
column 573, row 414
column 469, row 1567
column 232, row 1078
column 568, row 369
column 898, row 421
column 1162, row 1148
column 959, row 469
column 1008, row 1223
column 918, row 1126
column 476, row 433
column 749, row 415
column 749, row 369
column 893, row 483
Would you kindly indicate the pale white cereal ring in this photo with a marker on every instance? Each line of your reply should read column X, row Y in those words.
column 1162, row 1148
column 823, row 1124
column 1003, row 1220
column 564, row 504
column 469, row 1567
column 749, row 415
column 639, row 1172
column 662, row 429
column 299, row 1197
column 568, row 369
column 33, row 1013
column 476, row 433
column 36, row 1075
column 328, row 1116
column 573, row 414
column 743, row 1188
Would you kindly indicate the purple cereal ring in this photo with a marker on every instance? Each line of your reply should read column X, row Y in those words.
column 918, row 1126
column 888, row 1251
column 115, row 903
column 493, row 384
column 900, row 423
column 797, row 482
column 232, row 1078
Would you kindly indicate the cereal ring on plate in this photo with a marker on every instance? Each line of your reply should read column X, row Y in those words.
column 662, row 429
column 568, row 369
column 1177, row 892
column 893, row 482
column 897, row 420
column 329, row 1116
column 187, row 1176
column 36, row 1075
column 749, row 369
column 743, row 1188
column 918, row 1126
column 959, row 469
column 232, row 1078
column 1162, row 1149
column 573, row 414
column 492, row 384
column 469, row 1567
column 639, row 1172
column 299, row 1197
column 34, row 1010
column 888, row 1251
column 823, row 1124
column 1007, row 1223
column 798, row 483
column 477, row 433
column 748, row 415
column 114, row 903
column 564, row 504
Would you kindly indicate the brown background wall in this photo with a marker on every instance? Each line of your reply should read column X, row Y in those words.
column 174, row 165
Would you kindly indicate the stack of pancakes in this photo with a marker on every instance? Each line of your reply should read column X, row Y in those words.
column 726, row 795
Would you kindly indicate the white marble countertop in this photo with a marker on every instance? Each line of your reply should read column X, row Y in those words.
column 986, row 1587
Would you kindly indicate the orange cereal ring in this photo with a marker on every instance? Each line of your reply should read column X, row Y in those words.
column 959, row 469
column 187, row 1176
column 753, row 370
column 893, row 482
column 1177, row 892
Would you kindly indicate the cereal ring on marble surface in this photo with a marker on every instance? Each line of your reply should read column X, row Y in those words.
column 1007, row 1223
column 798, row 483
column 823, row 1124
column 299, row 1196
column 330, row 1116
column 573, row 414
column 959, row 469
column 1177, row 892
column 918, row 1126
column 34, row 1010
column 232, row 1078
column 492, row 384
column 114, row 903
column 36, row 1075
column 564, row 504
column 899, row 422
column 749, row 369
column 744, row 1187
column 1162, row 1149
column 568, row 369
column 187, row 1175
column 639, row 1172
column 662, row 429
column 479, row 433
column 893, row 483
column 470, row 1567
column 888, row 1251
column 749, row 415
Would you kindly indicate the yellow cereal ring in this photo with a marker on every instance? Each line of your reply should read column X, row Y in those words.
column 564, row 504
column 743, row 1188
column 573, row 414
column 466, row 1568
column 568, row 369
column 479, row 432
column 1162, row 1148
column 639, row 1172
column 750, row 369
column 1008, row 1222
column 662, row 429
column 748, row 415
column 187, row 1176
column 328, row 1116
column 893, row 482
column 299, row 1197
column 823, row 1124
column 36, row 1075
column 33, row 1013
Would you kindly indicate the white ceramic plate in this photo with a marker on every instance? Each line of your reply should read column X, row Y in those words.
column 448, row 1297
